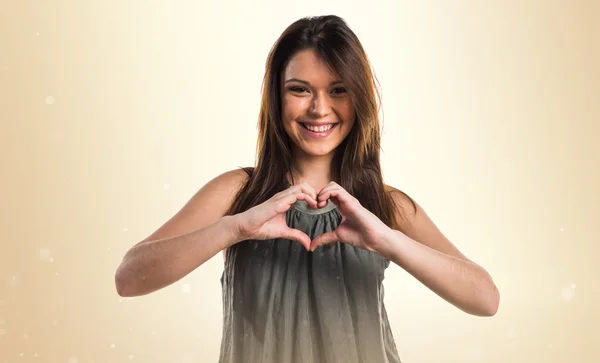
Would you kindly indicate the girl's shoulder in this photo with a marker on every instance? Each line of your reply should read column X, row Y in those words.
column 209, row 203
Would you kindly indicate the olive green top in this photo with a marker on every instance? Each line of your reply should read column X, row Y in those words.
column 283, row 304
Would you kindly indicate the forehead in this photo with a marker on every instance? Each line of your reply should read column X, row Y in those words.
column 307, row 65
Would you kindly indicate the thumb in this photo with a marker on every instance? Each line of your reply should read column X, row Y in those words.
column 325, row 238
column 297, row 235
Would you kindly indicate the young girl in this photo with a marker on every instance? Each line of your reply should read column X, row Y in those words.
column 308, row 232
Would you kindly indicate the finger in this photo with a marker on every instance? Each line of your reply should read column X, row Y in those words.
column 324, row 194
column 335, row 192
column 285, row 202
column 305, row 187
column 306, row 197
column 325, row 190
column 325, row 238
column 293, row 190
column 297, row 235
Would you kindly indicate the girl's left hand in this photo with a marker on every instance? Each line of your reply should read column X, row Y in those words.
column 359, row 227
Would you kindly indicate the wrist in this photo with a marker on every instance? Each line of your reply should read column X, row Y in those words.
column 233, row 226
column 386, row 242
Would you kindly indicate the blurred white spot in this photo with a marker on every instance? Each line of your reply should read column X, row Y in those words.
column 54, row 322
column 567, row 293
column 56, row 273
column 49, row 100
column 131, row 357
column 113, row 346
column 13, row 281
column 25, row 336
column 573, row 286
column 125, row 229
column 2, row 331
column 21, row 354
column 512, row 333
column 108, row 249
column 166, row 186
column 51, row 260
column 186, row 288
column 120, row 300
column 562, row 229
column 73, row 360
column 550, row 346
column 45, row 254
column 35, row 355
column 130, row 329
column 37, row 34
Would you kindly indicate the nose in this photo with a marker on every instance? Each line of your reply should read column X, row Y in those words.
column 320, row 106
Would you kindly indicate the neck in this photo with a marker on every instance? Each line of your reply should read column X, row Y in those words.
column 313, row 170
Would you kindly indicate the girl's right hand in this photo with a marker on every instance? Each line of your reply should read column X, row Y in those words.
column 267, row 220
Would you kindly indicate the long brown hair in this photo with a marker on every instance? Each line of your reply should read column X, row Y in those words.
column 356, row 164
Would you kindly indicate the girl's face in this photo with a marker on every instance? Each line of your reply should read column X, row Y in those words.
column 317, row 111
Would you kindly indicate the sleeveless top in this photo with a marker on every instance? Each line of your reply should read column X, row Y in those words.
column 284, row 304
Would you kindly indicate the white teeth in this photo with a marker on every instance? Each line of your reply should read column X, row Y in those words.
column 319, row 128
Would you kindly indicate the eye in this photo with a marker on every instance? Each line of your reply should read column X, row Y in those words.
column 297, row 89
column 339, row 90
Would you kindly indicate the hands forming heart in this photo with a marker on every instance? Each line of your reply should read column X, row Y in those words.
column 358, row 227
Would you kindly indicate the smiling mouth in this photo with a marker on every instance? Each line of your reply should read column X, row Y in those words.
column 323, row 128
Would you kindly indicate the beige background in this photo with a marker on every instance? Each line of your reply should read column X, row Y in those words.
column 114, row 113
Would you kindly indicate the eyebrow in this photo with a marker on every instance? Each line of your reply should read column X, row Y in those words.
column 308, row 83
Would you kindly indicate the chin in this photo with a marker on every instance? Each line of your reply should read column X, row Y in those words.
column 317, row 150
column 319, row 154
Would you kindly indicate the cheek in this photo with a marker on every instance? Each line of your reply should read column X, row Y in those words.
column 291, row 108
column 290, row 111
column 347, row 112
